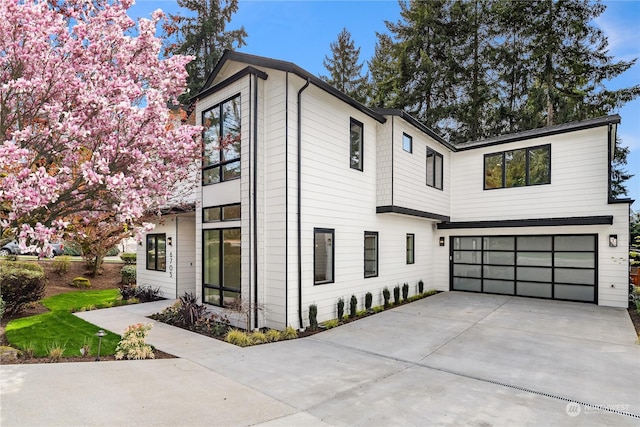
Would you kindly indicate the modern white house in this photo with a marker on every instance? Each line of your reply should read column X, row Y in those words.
column 307, row 196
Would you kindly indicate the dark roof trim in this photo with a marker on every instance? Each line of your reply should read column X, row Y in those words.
column 541, row 132
column 411, row 212
column 620, row 201
column 537, row 222
column 234, row 78
column 410, row 119
column 276, row 64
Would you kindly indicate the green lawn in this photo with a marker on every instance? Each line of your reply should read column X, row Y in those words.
column 60, row 328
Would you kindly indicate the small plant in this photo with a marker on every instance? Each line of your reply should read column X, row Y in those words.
column 1, row 307
column 128, row 274
column 396, row 295
column 128, row 258
column 55, row 351
column 368, row 301
column 361, row 313
column 127, row 290
column 405, row 292
column 81, row 282
column 378, row 309
column 420, row 286
column 331, row 323
column 313, row 317
column 189, row 311
column 132, row 345
column 147, row 293
column 340, row 308
column 258, row 337
column 272, row 335
column 353, row 306
column 28, row 350
column 387, row 296
column 61, row 264
column 289, row 333
column 85, row 350
column 238, row 337
column 114, row 251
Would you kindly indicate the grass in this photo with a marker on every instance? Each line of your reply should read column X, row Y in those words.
column 42, row 331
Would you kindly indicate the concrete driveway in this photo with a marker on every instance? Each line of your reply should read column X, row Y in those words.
column 450, row 359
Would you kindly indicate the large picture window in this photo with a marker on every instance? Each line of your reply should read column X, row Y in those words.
column 434, row 169
column 222, row 266
column 221, row 138
column 518, row 168
column 370, row 254
column 323, row 256
column 356, row 145
column 157, row 252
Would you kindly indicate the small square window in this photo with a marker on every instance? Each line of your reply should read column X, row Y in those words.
column 407, row 143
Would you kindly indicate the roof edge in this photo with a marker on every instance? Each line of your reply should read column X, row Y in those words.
column 413, row 121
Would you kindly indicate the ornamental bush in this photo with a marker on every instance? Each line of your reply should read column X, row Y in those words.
column 405, row 292
column 61, row 264
column 340, row 308
column 368, row 301
column 21, row 283
column 81, row 282
column 313, row 317
column 353, row 306
column 132, row 345
column 128, row 258
column 396, row 295
column 128, row 274
column 387, row 296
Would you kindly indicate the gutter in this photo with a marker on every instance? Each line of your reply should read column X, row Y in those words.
column 300, row 201
column 255, row 200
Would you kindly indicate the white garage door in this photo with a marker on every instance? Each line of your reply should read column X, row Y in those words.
column 560, row 267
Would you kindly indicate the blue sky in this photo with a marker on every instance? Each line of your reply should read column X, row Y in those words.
column 301, row 31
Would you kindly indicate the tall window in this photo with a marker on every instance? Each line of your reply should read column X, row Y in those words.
column 434, row 169
column 222, row 266
column 157, row 252
column 323, row 256
column 407, row 143
column 518, row 168
column 356, row 146
column 411, row 248
column 370, row 254
column 222, row 134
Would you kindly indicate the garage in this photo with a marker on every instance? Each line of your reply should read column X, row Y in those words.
column 562, row 267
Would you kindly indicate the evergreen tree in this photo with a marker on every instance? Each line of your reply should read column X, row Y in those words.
column 203, row 36
column 383, row 71
column 618, row 174
column 345, row 74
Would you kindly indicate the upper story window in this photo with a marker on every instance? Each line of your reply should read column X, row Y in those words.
column 434, row 169
column 518, row 168
column 221, row 213
column 407, row 143
column 355, row 144
column 157, row 252
column 221, row 139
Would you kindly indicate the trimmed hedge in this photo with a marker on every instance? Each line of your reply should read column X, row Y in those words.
column 128, row 274
column 21, row 283
column 81, row 282
column 128, row 258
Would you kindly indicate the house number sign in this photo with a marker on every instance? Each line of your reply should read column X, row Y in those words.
column 171, row 264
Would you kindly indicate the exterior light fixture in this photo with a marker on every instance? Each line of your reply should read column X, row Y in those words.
column 441, row 241
column 170, row 241
column 613, row 240
column 100, row 334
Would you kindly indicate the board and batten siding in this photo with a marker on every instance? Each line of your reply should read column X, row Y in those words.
column 185, row 261
column 578, row 181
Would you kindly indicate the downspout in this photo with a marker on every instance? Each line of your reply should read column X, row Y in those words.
column 286, row 201
column 255, row 200
column 251, row 202
column 300, row 202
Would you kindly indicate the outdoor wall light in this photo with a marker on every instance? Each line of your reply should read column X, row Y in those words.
column 100, row 334
column 170, row 241
column 441, row 241
column 613, row 240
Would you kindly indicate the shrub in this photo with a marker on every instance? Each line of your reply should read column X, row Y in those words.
column 21, row 284
column 238, row 337
column 405, row 292
column 189, row 311
column 331, row 323
column 396, row 295
column 127, row 291
column 132, row 345
column 420, row 286
column 147, row 293
column 61, row 264
column 258, row 337
column 128, row 274
column 378, row 309
column 114, row 251
column 272, row 335
column 353, row 306
column 80, row 282
column 313, row 317
column 55, row 351
column 72, row 249
column 368, row 301
column 340, row 308
column 289, row 333
column 387, row 296
column 1, row 308
column 128, row 258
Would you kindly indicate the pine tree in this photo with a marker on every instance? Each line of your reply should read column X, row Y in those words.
column 203, row 36
column 345, row 74
column 383, row 71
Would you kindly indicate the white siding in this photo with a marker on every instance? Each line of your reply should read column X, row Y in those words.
column 185, row 262
column 165, row 280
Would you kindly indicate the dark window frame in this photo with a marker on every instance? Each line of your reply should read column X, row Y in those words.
column 369, row 234
column 333, row 255
column 221, row 288
column 435, row 155
column 156, row 237
column 220, row 209
column 502, row 154
column 407, row 137
column 360, row 165
column 411, row 249
column 221, row 164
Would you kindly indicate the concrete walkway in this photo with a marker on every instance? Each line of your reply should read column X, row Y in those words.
column 450, row 359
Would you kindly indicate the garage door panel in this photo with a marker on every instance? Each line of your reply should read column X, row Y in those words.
column 574, row 243
column 574, row 292
column 498, row 272
column 538, row 274
column 535, row 258
column 532, row 289
column 499, row 287
column 579, row 277
column 500, row 258
column 575, row 259
column 467, row 271
column 467, row 284
column 534, row 243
